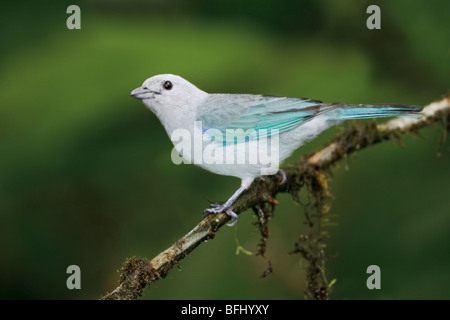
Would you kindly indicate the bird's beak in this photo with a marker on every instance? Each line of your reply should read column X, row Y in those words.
column 141, row 93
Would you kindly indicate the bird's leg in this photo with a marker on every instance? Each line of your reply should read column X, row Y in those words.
column 281, row 174
column 225, row 207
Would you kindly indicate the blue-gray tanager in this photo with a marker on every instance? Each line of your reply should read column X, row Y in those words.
column 232, row 132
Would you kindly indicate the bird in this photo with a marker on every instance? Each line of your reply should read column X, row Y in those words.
column 230, row 130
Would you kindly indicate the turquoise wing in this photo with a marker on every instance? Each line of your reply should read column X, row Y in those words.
column 242, row 118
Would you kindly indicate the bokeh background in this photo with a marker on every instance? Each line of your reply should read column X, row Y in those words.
column 85, row 170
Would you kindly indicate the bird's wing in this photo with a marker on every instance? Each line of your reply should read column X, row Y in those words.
column 252, row 113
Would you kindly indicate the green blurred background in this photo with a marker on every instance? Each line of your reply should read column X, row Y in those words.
column 85, row 170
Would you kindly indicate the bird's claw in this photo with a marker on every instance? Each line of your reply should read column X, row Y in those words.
column 215, row 208
column 233, row 216
column 218, row 208
column 281, row 174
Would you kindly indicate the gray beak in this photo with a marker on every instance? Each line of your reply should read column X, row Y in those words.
column 142, row 93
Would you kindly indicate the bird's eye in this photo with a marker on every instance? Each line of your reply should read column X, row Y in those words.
column 167, row 85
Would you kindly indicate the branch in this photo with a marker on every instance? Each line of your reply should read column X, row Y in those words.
column 137, row 273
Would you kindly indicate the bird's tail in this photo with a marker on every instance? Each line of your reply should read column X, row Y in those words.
column 362, row 111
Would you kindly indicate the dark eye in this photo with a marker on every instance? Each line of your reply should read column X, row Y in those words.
column 167, row 85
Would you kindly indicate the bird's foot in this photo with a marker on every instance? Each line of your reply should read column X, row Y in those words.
column 218, row 208
column 282, row 175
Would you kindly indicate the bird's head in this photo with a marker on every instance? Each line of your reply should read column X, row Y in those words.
column 169, row 93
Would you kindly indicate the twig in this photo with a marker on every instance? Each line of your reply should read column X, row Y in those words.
column 137, row 273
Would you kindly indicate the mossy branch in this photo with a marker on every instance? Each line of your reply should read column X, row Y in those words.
column 137, row 273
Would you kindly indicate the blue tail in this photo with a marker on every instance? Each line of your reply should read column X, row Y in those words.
column 361, row 111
